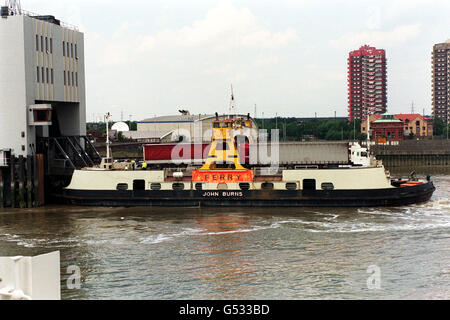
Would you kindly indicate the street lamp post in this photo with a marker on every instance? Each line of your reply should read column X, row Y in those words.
column 262, row 120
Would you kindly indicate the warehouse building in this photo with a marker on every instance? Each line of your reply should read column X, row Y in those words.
column 183, row 127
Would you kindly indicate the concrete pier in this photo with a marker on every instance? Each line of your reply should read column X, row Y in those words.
column 422, row 156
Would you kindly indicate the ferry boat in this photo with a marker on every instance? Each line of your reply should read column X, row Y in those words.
column 223, row 181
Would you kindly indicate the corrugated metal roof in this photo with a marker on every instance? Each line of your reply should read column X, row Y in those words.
column 176, row 118
column 145, row 134
column 183, row 118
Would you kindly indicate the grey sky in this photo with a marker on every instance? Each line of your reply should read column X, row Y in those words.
column 287, row 57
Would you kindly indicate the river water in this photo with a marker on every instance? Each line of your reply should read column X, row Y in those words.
column 243, row 253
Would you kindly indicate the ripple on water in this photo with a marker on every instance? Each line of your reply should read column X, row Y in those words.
column 253, row 252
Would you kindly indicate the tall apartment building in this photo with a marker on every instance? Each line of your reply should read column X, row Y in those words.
column 367, row 82
column 440, row 83
column 42, row 87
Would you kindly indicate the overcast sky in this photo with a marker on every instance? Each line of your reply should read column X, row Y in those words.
column 286, row 56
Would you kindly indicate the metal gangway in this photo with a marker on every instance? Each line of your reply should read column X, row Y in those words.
column 67, row 153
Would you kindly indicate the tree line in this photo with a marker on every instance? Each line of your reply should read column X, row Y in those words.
column 291, row 129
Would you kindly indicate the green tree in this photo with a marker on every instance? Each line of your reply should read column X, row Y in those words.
column 320, row 129
column 438, row 127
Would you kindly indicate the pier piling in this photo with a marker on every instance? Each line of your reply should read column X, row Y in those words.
column 2, row 205
column 22, row 182
column 29, row 167
column 39, row 180
column 12, row 166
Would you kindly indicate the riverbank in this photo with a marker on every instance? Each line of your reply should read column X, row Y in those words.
column 421, row 156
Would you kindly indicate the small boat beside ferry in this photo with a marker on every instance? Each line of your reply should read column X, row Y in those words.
column 224, row 180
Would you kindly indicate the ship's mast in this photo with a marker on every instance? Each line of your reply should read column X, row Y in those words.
column 107, row 116
column 232, row 109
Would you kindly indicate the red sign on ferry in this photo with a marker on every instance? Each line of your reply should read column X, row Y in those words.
column 224, row 176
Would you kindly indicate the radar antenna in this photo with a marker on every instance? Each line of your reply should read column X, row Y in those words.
column 232, row 103
column 14, row 7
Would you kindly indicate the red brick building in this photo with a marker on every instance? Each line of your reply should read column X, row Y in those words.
column 415, row 123
column 387, row 127
column 367, row 83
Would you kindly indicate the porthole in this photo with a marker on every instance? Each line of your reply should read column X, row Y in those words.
column 155, row 186
column 291, row 186
column 122, row 186
column 178, row 186
column 327, row 186
column 267, row 186
column 199, row 186
column 244, row 185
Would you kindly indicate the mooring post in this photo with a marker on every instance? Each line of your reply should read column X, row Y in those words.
column 41, row 186
column 35, row 181
column 21, row 177
column 29, row 182
column 13, row 182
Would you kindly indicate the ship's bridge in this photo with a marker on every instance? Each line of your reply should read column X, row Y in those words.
column 223, row 154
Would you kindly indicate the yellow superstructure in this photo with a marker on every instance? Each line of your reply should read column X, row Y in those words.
column 223, row 152
column 224, row 163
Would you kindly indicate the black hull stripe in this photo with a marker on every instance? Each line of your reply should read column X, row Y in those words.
column 278, row 198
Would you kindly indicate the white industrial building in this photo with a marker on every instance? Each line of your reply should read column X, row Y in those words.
column 190, row 128
column 42, row 85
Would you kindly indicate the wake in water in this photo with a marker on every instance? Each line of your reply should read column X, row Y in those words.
column 431, row 215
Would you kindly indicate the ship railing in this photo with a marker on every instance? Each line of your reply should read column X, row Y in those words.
column 35, row 15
